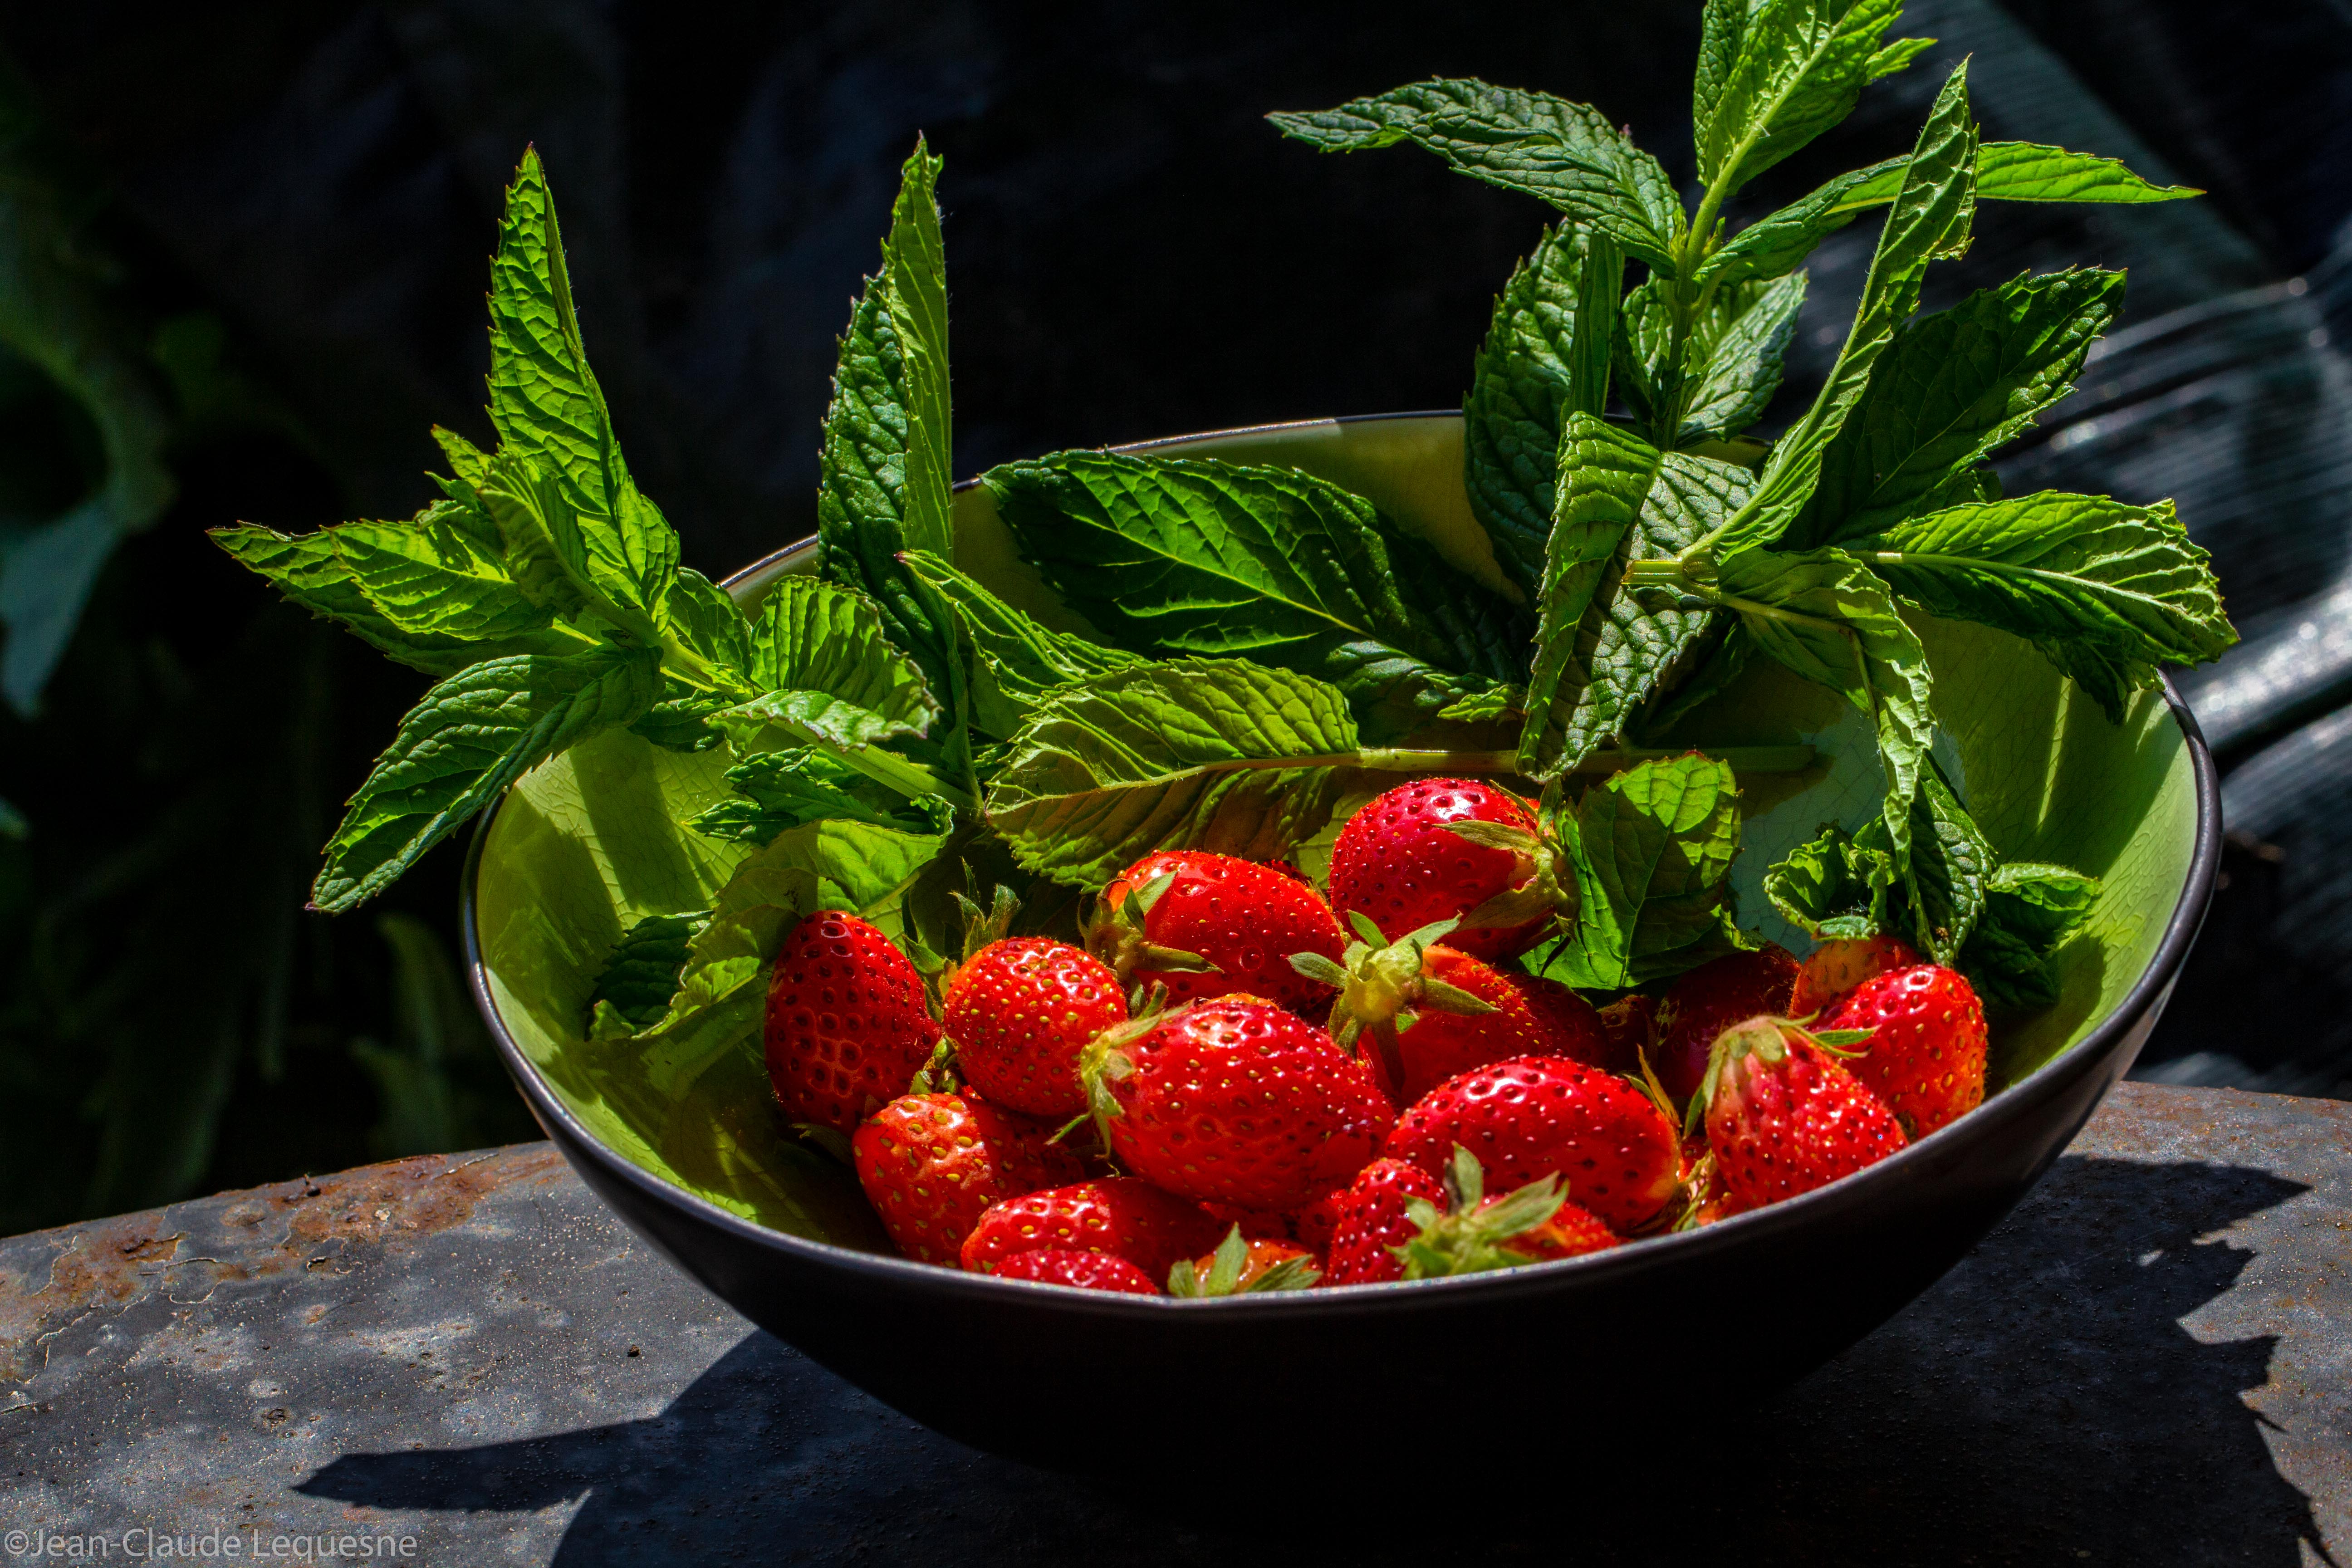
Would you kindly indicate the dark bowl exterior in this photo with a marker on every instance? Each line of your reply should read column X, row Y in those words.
column 1025, row 1369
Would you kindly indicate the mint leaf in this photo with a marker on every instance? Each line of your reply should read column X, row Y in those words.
column 2031, row 911
column 1742, row 362
column 1780, row 241
column 680, row 721
column 551, row 414
column 467, row 461
column 1651, row 848
column 2030, row 171
column 2006, row 171
column 1601, row 652
column 1833, row 888
column 1829, row 618
column 783, row 789
column 1930, row 217
column 1180, row 556
column 884, row 461
column 1015, row 660
column 446, row 601
column 1546, row 356
column 1606, row 475
column 819, row 654
column 1485, row 706
column 2105, row 590
column 468, row 739
column 427, row 578
column 1950, row 389
column 641, row 975
column 1565, row 154
column 1215, row 753
column 1777, row 74
column 917, row 269
column 705, row 619
column 564, row 559
column 1728, row 367
column 1950, row 866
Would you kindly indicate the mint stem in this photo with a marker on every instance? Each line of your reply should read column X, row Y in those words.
column 1660, row 573
column 1742, row 759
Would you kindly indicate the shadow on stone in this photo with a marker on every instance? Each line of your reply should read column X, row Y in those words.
column 2042, row 1404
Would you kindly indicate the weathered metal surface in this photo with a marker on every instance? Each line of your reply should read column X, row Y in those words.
column 2146, row 1364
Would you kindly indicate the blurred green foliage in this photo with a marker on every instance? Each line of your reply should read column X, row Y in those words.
column 174, row 749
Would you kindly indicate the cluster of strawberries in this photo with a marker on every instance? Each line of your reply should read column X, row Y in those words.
column 1283, row 1106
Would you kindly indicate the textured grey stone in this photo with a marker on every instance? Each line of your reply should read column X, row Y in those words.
column 2146, row 1363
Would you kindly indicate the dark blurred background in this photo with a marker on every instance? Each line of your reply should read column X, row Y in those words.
column 241, row 262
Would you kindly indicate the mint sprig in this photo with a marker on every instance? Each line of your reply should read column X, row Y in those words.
column 545, row 589
column 1876, row 502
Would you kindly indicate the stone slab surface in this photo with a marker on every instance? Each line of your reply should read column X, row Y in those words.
column 464, row 1359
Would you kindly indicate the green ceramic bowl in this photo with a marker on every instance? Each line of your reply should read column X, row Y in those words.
column 586, row 844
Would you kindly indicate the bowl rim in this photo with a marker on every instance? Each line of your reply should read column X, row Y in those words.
column 2015, row 1103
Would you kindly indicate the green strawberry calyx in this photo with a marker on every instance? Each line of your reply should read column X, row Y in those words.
column 939, row 1074
column 1383, row 986
column 1104, row 1060
column 1535, row 892
column 1114, row 934
column 1766, row 1039
column 1224, row 1275
column 1468, row 1236
column 982, row 929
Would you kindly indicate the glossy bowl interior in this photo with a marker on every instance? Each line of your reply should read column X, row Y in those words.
column 585, row 845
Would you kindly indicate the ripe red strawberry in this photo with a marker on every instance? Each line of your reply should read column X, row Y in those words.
column 1117, row 1215
column 847, row 1025
column 1534, row 1117
column 931, row 1163
column 1372, row 1218
column 1311, row 1224
column 1708, row 1000
column 1210, row 925
column 1080, row 1270
column 1230, row 1101
column 1475, row 1233
column 1240, row 1268
column 1432, row 1012
column 1398, row 861
column 1836, row 967
column 1629, row 1025
column 1783, row 1117
column 1020, row 1011
column 1925, row 1054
